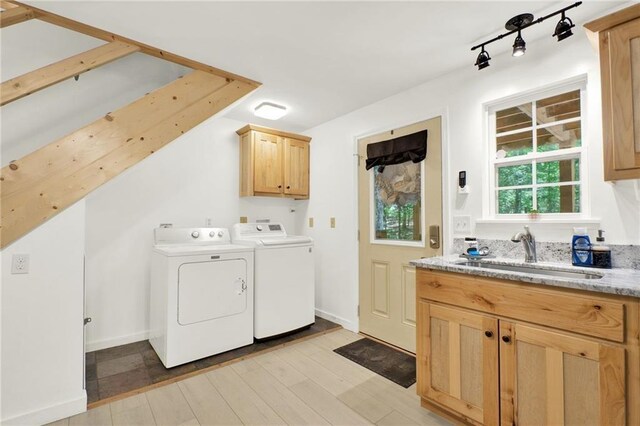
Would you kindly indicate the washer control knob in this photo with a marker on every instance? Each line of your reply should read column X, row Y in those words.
column 212, row 234
column 259, row 227
column 195, row 234
column 220, row 233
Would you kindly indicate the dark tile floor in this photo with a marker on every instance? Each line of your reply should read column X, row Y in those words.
column 114, row 371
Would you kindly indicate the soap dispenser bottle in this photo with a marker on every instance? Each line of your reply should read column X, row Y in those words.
column 581, row 248
column 601, row 253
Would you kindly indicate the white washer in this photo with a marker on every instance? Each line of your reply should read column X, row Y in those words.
column 284, row 278
column 201, row 294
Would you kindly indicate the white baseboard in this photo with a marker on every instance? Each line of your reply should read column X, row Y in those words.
column 51, row 413
column 349, row 325
column 96, row 345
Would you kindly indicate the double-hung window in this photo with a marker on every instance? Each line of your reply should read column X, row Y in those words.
column 537, row 154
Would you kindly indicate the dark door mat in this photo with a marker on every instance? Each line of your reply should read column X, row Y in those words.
column 390, row 363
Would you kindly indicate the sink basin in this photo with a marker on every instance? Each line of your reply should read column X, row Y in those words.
column 531, row 270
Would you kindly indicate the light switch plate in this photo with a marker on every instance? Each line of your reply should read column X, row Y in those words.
column 333, row 222
column 461, row 225
column 310, row 222
column 20, row 264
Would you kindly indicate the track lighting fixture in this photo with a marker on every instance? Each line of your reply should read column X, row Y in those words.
column 483, row 59
column 563, row 28
column 519, row 23
column 519, row 46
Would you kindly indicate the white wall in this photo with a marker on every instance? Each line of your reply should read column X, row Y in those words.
column 462, row 95
column 193, row 178
column 42, row 314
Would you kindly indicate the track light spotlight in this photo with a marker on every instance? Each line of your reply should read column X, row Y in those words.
column 519, row 23
column 483, row 59
column 563, row 28
column 519, row 46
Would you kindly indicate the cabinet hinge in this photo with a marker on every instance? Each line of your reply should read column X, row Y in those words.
column 358, row 311
column 358, row 235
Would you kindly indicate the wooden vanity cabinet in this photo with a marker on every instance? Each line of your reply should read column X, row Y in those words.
column 619, row 48
column 273, row 163
column 500, row 352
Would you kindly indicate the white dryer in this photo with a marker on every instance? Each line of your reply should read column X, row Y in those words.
column 284, row 278
column 201, row 294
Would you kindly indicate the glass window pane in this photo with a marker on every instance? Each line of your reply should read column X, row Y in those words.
column 514, row 118
column 559, row 199
column 515, row 175
column 513, row 145
column 515, row 201
column 397, row 201
column 558, row 171
column 559, row 107
column 561, row 136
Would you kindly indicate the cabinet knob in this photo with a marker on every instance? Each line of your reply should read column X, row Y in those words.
column 288, row 187
column 279, row 186
column 488, row 333
column 506, row 339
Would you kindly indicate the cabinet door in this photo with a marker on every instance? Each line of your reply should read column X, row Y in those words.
column 621, row 106
column 549, row 378
column 267, row 163
column 457, row 359
column 296, row 167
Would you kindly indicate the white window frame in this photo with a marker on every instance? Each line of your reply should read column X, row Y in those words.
column 534, row 157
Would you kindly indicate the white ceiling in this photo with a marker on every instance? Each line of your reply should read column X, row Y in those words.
column 322, row 59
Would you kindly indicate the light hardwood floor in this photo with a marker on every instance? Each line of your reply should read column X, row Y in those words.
column 304, row 383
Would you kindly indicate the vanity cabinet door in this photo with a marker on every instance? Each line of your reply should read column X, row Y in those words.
column 457, row 359
column 549, row 378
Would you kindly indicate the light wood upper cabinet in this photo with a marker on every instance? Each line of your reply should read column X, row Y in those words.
column 273, row 163
column 619, row 45
column 499, row 352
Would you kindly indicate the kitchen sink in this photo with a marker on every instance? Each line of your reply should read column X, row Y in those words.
column 531, row 270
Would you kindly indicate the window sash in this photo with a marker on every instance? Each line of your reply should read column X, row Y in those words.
column 534, row 156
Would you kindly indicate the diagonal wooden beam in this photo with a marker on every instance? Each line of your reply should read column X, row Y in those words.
column 15, row 16
column 42, row 78
column 30, row 196
column 7, row 5
column 89, row 30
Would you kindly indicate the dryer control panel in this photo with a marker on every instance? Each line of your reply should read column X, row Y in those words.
column 192, row 236
column 243, row 231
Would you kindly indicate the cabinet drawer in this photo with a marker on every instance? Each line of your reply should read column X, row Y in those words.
column 561, row 309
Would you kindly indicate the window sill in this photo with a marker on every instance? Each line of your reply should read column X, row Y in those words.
column 526, row 220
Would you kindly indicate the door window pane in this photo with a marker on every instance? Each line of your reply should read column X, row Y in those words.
column 514, row 118
column 559, row 199
column 561, row 136
column 558, row 171
column 515, row 201
column 514, row 175
column 516, row 144
column 397, row 199
column 559, row 107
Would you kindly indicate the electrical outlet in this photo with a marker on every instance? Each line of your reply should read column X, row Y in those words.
column 461, row 225
column 310, row 222
column 333, row 222
column 20, row 264
column 243, row 219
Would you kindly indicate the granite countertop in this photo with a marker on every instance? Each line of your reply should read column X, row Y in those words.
column 623, row 282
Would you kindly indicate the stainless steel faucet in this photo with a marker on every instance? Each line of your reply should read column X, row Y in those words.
column 529, row 242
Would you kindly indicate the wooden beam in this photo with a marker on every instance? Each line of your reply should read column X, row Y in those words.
column 7, row 5
column 79, row 163
column 42, row 78
column 70, row 24
column 15, row 16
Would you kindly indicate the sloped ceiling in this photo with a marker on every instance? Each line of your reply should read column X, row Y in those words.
column 321, row 59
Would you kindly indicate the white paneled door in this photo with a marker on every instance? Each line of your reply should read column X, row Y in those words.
column 400, row 219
